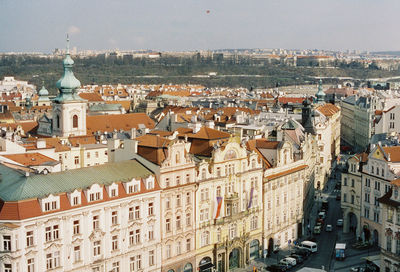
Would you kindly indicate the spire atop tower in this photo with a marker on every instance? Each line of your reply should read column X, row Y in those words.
column 320, row 94
column 67, row 44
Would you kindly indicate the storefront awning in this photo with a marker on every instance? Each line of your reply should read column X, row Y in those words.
column 376, row 259
column 206, row 266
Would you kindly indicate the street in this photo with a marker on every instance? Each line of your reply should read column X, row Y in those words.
column 325, row 257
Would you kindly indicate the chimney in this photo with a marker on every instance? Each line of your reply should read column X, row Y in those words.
column 133, row 133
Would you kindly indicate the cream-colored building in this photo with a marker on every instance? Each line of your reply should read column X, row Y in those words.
column 327, row 128
column 351, row 194
column 390, row 247
column 229, row 208
column 103, row 218
column 175, row 170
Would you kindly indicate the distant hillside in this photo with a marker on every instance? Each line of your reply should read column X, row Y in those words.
column 241, row 73
column 390, row 53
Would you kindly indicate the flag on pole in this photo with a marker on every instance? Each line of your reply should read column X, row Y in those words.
column 251, row 198
column 217, row 209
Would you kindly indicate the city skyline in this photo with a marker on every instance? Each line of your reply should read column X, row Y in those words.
column 191, row 25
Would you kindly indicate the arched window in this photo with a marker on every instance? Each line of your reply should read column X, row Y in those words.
column 58, row 121
column 75, row 121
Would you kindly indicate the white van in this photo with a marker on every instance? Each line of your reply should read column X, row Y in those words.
column 310, row 246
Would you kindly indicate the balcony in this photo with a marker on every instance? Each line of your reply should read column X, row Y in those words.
column 232, row 197
column 237, row 216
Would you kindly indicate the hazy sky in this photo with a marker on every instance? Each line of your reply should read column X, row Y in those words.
column 41, row 25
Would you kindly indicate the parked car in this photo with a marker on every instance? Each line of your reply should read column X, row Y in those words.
column 299, row 259
column 358, row 269
column 317, row 230
column 339, row 223
column 277, row 268
column 288, row 261
column 328, row 228
column 302, row 252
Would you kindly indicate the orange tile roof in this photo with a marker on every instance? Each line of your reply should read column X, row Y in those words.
column 285, row 100
column 113, row 122
column 393, row 152
column 209, row 134
column 378, row 112
column 287, row 172
column 152, row 141
column 30, row 159
column 328, row 109
column 77, row 140
column 91, row 97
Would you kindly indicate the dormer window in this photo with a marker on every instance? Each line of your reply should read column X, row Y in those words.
column 150, row 183
column 113, row 190
column 133, row 186
column 50, row 203
column 95, row 193
column 75, row 198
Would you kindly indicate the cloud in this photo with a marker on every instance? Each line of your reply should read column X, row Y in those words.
column 73, row 30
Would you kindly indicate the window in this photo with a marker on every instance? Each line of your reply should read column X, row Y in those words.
column 137, row 212
column 218, row 171
column 50, row 206
column 376, row 202
column 150, row 184
column 377, row 185
column 389, row 243
column 114, row 242
column 135, row 263
column 167, row 203
column 203, row 173
column 398, row 246
column 366, row 212
column 151, row 208
column 96, row 154
column 368, row 182
column 178, row 248
column 76, row 160
column 115, row 267
column 75, row 200
column 352, row 199
column 188, row 198
column 203, row 215
column 253, row 163
column 88, row 155
column 6, row 242
column 178, row 200
column 345, row 197
column 29, row 238
column 168, row 251
column 188, row 219
column 76, row 227
column 383, row 172
column 376, row 217
column 254, row 223
column 53, row 260
column 168, row 225
column 151, row 233
column 51, row 233
column 137, row 236
column 77, row 253
column 391, row 116
column 205, row 238
column 95, row 196
column 7, row 268
column 113, row 192
column 151, row 258
column 75, row 121
column 232, row 231
column 188, row 245
column 96, row 248
column 391, row 124
column 178, row 180
column 187, row 178
column 31, row 263
column 178, row 222
column 57, row 124
column 352, row 182
column 114, row 218
column 167, row 182
column 96, row 222
column 366, row 197
column 219, row 191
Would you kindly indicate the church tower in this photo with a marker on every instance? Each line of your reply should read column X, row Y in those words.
column 69, row 110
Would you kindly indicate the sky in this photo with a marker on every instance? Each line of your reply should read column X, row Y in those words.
column 180, row 25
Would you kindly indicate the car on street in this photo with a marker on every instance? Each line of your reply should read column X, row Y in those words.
column 358, row 269
column 288, row 261
column 277, row 268
column 328, row 228
column 302, row 252
column 299, row 259
column 317, row 230
column 339, row 223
